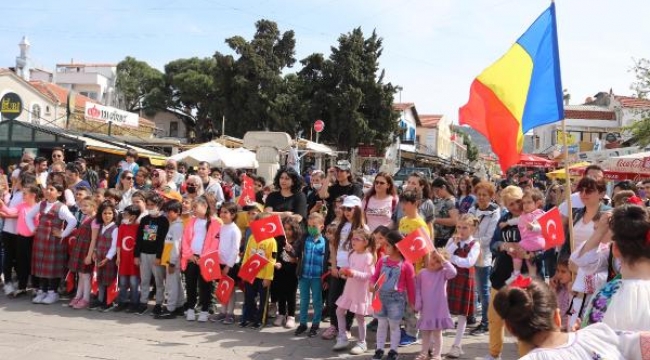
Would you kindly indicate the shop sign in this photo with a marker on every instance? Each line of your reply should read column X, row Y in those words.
column 11, row 106
column 110, row 114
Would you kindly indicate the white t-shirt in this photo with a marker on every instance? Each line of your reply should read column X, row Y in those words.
column 12, row 223
column 581, row 233
column 229, row 240
column 378, row 212
column 200, row 232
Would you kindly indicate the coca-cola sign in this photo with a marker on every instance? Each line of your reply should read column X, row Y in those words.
column 110, row 114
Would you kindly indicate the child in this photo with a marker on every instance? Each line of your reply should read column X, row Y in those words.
column 149, row 246
column 104, row 255
column 530, row 311
column 99, row 195
column 339, row 258
column 21, row 255
column 200, row 237
column 431, row 303
column 112, row 195
column 285, row 281
column 562, row 288
column 311, row 264
column 49, row 251
column 186, row 207
column 464, row 252
column 355, row 297
column 530, row 230
column 395, row 293
column 80, row 261
column 129, row 273
column 411, row 221
column 80, row 193
column 139, row 199
column 230, row 240
column 255, row 314
column 173, row 282
column 379, row 236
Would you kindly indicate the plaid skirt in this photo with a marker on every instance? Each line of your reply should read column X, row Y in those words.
column 49, row 257
column 79, row 243
column 107, row 273
column 460, row 292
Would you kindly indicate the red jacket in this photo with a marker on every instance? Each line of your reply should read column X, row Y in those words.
column 210, row 244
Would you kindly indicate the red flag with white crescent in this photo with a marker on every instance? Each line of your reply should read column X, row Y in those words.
column 266, row 228
column 376, row 301
column 94, row 287
column 248, row 191
column 112, row 291
column 415, row 245
column 126, row 234
column 552, row 228
column 209, row 265
column 252, row 267
column 225, row 289
column 69, row 281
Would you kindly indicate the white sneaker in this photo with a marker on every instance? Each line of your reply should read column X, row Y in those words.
column 279, row 321
column 40, row 295
column 455, row 352
column 359, row 348
column 290, row 323
column 190, row 315
column 203, row 316
column 9, row 289
column 341, row 344
column 51, row 298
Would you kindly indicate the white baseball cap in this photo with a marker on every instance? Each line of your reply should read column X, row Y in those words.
column 351, row 201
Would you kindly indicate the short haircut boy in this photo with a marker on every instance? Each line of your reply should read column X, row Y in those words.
column 173, row 206
column 411, row 196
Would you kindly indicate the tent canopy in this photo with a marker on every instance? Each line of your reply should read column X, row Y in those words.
column 561, row 173
column 218, row 155
column 530, row 160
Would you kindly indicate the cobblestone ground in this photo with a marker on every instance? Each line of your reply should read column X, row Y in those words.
column 53, row 332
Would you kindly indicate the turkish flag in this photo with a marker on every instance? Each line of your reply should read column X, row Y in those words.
column 252, row 267
column 94, row 287
column 376, row 301
column 552, row 228
column 112, row 291
column 415, row 245
column 209, row 265
column 247, row 191
column 268, row 227
column 69, row 282
column 225, row 289
column 126, row 234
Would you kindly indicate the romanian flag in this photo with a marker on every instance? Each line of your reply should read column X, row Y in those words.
column 520, row 91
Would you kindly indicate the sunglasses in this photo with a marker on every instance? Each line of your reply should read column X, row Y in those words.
column 586, row 191
column 127, row 178
column 155, row 174
column 380, row 183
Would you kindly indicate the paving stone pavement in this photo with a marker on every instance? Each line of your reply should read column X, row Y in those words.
column 53, row 332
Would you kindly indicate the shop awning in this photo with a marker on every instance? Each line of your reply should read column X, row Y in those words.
column 316, row 148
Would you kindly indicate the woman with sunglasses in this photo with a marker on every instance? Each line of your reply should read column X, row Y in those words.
column 142, row 179
column 584, row 220
column 126, row 186
column 380, row 203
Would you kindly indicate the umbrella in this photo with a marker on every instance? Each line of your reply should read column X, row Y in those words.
column 239, row 158
column 529, row 160
column 211, row 152
column 561, row 173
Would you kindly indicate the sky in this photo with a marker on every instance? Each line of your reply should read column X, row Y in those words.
column 433, row 49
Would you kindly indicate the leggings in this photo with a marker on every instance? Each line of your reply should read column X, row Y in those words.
column 83, row 287
column 382, row 332
column 335, row 291
column 49, row 284
column 286, row 288
column 460, row 329
column 361, row 321
column 432, row 341
column 194, row 280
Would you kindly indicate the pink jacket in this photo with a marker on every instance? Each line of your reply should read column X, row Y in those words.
column 210, row 244
column 20, row 210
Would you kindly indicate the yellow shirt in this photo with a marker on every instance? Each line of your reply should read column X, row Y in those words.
column 408, row 225
column 242, row 221
column 266, row 248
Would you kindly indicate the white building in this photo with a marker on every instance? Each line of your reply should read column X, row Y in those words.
column 96, row 81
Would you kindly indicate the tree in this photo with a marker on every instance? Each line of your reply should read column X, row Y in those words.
column 349, row 93
column 472, row 150
column 250, row 89
column 640, row 129
column 136, row 83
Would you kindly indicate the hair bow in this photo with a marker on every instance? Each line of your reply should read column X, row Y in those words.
column 521, row 282
column 635, row 200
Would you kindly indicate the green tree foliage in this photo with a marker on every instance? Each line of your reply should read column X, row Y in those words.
column 472, row 150
column 136, row 83
column 640, row 129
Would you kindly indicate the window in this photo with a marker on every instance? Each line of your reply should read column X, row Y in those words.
column 36, row 114
column 173, row 129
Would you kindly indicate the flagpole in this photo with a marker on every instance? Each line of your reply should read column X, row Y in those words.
column 567, row 190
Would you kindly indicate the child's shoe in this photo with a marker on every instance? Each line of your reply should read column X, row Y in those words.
column 279, row 321
column 203, row 316
column 341, row 344
column 190, row 315
column 379, row 354
column 229, row 319
column 51, row 298
column 330, row 333
column 313, row 331
column 290, row 323
column 392, row 355
column 359, row 348
column 217, row 317
column 40, row 295
column 73, row 302
column 455, row 352
column 302, row 328
column 81, row 304
column 142, row 309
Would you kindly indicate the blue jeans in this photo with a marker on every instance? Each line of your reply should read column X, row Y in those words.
column 314, row 286
column 127, row 283
column 482, row 277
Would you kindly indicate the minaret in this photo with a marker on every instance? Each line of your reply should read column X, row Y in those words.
column 22, row 61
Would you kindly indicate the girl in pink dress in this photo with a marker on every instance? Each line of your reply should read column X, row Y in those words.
column 431, row 303
column 530, row 230
column 356, row 298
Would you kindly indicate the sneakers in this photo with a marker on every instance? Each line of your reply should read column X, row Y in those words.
column 106, row 308
column 379, row 354
column 302, row 328
column 190, row 315
column 179, row 311
column 290, row 323
column 279, row 321
column 359, row 348
column 330, row 333
column 50, row 298
column 272, row 311
column 341, row 344
column 81, row 304
column 203, row 316
column 40, row 295
column 229, row 319
column 142, row 309
column 407, row 339
column 392, row 355
column 94, row 305
column 73, row 302
column 455, row 352
column 313, row 331
column 479, row 330
column 165, row 314
column 157, row 310
column 471, row 320
column 243, row 324
column 256, row 326
column 132, row 308
column 217, row 317
column 9, row 289
column 121, row 307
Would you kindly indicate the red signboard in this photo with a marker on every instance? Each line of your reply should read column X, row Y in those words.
column 367, row 151
column 319, row 125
